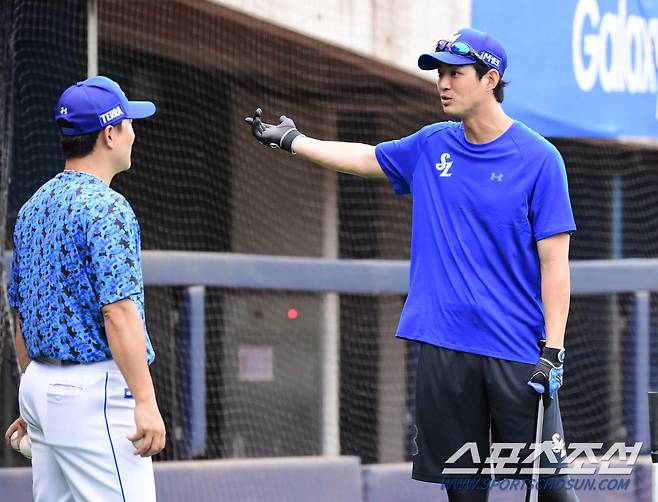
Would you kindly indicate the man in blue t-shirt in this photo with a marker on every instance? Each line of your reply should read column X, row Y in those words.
column 86, row 398
column 489, row 282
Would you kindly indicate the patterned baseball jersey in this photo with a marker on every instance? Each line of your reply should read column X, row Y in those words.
column 76, row 249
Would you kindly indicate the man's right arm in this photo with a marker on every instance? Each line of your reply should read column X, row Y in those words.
column 124, row 329
column 350, row 158
column 114, row 244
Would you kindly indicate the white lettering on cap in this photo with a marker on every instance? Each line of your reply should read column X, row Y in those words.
column 490, row 58
column 111, row 115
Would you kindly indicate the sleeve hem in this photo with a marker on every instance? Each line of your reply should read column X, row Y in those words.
column 398, row 188
column 117, row 298
column 558, row 230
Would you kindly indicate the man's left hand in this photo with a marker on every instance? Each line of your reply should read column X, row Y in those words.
column 548, row 370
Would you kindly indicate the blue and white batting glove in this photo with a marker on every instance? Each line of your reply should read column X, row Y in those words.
column 548, row 371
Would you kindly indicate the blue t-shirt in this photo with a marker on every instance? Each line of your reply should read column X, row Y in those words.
column 76, row 249
column 478, row 211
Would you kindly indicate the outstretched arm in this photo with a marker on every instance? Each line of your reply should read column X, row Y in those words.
column 351, row 158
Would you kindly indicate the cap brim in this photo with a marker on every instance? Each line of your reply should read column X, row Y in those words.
column 139, row 109
column 431, row 60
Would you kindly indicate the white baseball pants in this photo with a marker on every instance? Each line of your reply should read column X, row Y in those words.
column 79, row 418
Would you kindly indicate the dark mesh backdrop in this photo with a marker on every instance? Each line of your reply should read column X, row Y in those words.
column 43, row 49
column 199, row 182
column 8, row 367
column 596, row 402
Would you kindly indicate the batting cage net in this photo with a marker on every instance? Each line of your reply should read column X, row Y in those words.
column 200, row 182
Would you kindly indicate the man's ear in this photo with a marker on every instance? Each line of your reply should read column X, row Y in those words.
column 106, row 136
column 493, row 77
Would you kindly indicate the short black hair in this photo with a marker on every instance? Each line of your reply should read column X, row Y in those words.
column 76, row 147
column 499, row 91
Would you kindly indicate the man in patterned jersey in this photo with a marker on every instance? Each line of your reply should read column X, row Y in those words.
column 86, row 397
column 489, row 266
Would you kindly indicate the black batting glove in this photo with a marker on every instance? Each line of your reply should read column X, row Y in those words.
column 548, row 372
column 275, row 136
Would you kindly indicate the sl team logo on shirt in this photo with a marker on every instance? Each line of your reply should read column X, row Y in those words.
column 445, row 165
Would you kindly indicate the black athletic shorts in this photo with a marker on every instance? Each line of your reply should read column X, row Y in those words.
column 470, row 401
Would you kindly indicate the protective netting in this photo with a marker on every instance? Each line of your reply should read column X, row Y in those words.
column 199, row 182
column 8, row 368
column 613, row 189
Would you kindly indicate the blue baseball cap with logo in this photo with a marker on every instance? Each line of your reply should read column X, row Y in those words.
column 95, row 103
column 467, row 46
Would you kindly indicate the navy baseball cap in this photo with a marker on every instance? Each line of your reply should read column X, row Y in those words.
column 463, row 48
column 95, row 103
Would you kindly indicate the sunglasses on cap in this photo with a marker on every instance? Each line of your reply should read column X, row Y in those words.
column 460, row 49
